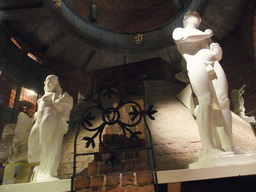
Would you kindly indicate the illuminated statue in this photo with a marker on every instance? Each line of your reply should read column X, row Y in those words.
column 238, row 101
column 19, row 148
column 46, row 136
column 6, row 142
column 209, row 84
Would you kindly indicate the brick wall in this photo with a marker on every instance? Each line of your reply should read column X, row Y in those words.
column 94, row 173
column 141, row 181
column 171, row 149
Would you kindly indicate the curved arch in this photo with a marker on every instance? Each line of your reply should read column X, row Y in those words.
column 124, row 42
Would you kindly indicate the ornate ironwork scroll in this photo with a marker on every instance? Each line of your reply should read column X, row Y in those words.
column 106, row 110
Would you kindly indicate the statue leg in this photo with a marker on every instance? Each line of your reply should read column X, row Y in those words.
column 204, row 122
column 51, row 142
column 33, row 145
column 221, row 88
column 203, row 89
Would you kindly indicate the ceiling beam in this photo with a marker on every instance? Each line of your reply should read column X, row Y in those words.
column 24, row 13
column 61, row 43
column 89, row 58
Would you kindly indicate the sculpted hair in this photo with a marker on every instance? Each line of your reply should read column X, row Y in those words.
column 191, row 13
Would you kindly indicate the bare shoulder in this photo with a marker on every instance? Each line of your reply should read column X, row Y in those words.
column 178, row 33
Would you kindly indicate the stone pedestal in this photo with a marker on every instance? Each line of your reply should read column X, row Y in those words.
column 224, row 160
column 18, row 173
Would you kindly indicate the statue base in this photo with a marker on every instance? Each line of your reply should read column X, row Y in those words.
column 224, row 160
column 39, row 177
column 18, row 173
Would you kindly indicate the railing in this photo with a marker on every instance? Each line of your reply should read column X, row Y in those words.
column 101, row 108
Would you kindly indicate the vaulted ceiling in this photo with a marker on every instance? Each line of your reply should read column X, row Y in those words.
column 71, row 33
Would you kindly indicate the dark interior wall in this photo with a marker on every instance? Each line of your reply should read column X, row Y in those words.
column 16, row 65
column 28, row 73
column 238, row 59
column 5, row 111
column 232, row 184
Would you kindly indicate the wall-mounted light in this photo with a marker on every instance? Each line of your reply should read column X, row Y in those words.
column 138, row 38
column 57, row 3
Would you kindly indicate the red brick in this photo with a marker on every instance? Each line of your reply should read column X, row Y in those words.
column 90, row 190
column 83, row 182
column 141, row 166
column 144, row 177
column 84, row 190
column 146, row 188
column 93, row 168
column 174, row 187
column 142, row 155
column 113, row 179
column 128, row 179
column 114, row 189
column 103, row 169
column 97, row 181
column 108, row 130
column 117, row 168
column 129, row 165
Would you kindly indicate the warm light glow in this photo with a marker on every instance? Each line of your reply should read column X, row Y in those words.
column 15, row 42
column 32, row 56
column 28, row 95
column 12, row 98
column 31, row 92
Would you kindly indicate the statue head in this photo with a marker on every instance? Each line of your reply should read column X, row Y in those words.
column 192, row 18
column 51, row 84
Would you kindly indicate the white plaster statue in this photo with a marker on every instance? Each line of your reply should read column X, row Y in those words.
column 6, row 142
column 46, row 136
column 209, row 84
column 19, row 148
column 238, row 101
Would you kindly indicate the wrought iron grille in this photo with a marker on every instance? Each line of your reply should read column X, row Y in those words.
column 105, row 109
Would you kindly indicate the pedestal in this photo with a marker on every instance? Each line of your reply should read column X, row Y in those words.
column 18, row 173
column 224, row 160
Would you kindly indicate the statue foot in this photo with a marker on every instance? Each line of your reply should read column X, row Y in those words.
column 214, row 153
column 42, row 177
column 240, row 151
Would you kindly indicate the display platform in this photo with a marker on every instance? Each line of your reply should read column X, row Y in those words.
column 56, row 186
column 168, row 176
column 182, row 175
column 224, row 160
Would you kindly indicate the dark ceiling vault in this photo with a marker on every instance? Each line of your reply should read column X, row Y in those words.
column 67, row 35
column 128, row 16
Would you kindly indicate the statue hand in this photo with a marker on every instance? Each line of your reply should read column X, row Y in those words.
column 208, row 32
column 216, row 50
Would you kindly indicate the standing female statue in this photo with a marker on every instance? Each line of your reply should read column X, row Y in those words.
column 46, row 136
column 209, row 84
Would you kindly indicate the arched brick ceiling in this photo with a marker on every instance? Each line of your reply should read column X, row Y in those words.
column 60, row 34
column 128, row 16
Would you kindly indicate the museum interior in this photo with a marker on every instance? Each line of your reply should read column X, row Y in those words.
column 124, row 51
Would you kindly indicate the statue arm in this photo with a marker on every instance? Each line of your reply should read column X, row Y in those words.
column 180, row 35
column 63, row 104
column 216, row 51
